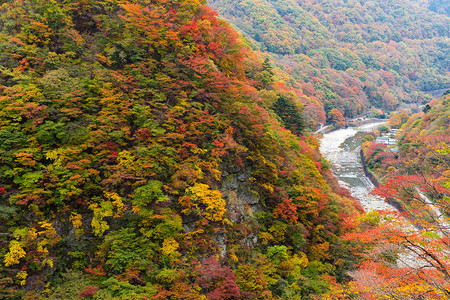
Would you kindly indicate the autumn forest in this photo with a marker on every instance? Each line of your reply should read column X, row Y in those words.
column 170, row 149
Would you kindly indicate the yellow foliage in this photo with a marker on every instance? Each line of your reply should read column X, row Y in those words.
column 32, row 232
column 391, row 169
column 117, row 203
column 278, row 231
column 209, row 202
column 99, row 226
column 40, row 247
column 76, row 221
column 190, row 235
column 31, row 93
column 442, row 149
column 46, row 291
column 48, row 261
column 300, row 262
column 169, row 246
column 48, row 229
column 294, row 265
column 126, row 159
column 104, row 210
column 265, row 237
column 136, row 209
column 22, row 276
column 268, row 187
column 197, row 150
column 15, row 253
column 233, row 257
column 56, row 156
column 226, row 221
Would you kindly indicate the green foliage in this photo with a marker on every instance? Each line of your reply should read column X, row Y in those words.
column 367, row 138
column 123, row 290
column 290, row 114
column 313, row 272
column 148, row 193
column 124, row 249
column 277, row 253
column 383, row 128
column 68, row 286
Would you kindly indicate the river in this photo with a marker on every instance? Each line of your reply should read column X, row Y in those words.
column 341, row 149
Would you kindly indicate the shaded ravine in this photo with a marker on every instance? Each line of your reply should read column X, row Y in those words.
column 341, row 149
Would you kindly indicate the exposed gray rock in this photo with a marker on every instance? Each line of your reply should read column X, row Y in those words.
column 189, row 227
column 251, row 240
column 221, row 243
column 241, row 201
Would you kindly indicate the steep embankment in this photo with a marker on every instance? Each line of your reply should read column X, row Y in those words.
column 416, row 174
column 144, row 152
column 418, row 132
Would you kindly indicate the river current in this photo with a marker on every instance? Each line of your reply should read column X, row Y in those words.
column 341, row 148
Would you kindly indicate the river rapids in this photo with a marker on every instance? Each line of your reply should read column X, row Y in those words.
column 341, row 148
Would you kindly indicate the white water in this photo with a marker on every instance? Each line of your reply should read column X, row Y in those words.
column 341, row 149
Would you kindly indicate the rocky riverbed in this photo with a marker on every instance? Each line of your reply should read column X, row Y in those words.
column 341, row 148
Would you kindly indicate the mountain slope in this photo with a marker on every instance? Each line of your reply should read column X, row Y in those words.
column 147, row 152
column 352, row 55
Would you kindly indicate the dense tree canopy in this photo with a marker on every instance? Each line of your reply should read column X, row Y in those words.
column 349, row 54
column 146, row 152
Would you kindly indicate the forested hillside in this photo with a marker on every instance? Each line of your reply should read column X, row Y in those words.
column 350, row 54
column 147, row 153
column 408, row 253
column 417, row 132
column 438, row 6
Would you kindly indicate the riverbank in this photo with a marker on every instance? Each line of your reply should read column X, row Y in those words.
column 363, row 121
column 357, row 122
column 341, row 149
column 398, row 206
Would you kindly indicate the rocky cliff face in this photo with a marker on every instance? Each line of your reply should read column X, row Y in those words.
column 241, row 200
